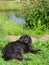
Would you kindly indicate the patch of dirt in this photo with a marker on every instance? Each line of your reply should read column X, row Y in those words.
column 34, row 39
column 13, row 38
column 44, row 37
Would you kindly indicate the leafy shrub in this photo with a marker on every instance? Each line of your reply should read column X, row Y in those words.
column 35, row 11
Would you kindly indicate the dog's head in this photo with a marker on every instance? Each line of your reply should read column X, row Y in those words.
column 26, row 39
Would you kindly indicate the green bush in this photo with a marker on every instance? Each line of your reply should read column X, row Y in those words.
column 35, row 11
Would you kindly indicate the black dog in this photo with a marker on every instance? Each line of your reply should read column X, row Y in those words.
column 14, row 50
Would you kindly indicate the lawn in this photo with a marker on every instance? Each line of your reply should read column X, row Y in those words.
column 8, row 27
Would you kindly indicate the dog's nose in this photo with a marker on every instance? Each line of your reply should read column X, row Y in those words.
column 26, row 41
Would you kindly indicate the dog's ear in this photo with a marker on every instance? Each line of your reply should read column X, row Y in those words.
column 21, row 38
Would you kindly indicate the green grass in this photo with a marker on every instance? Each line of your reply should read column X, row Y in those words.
column 8, row 27
column 41, row 58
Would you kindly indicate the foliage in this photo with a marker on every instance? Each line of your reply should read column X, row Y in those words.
column 35, row 11
column 9, row 27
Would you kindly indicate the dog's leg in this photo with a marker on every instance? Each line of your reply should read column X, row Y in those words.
column 19, row 57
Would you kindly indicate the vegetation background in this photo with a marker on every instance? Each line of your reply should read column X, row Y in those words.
column 36, row 15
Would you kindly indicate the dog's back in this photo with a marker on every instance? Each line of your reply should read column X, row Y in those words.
column 12, row 49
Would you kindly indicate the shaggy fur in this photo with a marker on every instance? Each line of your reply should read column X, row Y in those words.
column 14, row 50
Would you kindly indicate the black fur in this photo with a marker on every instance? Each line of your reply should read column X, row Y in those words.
column 14, row 50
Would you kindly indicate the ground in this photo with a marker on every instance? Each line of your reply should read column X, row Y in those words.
column 34, row 39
